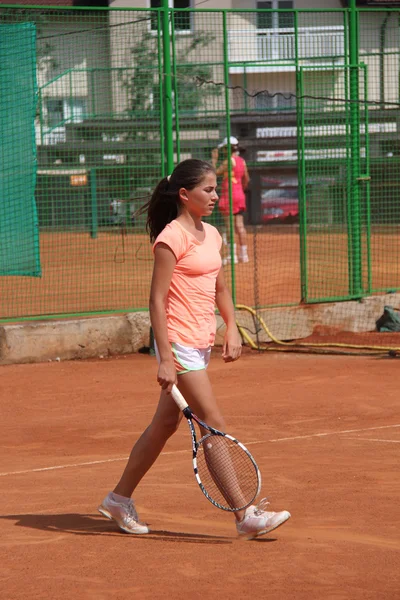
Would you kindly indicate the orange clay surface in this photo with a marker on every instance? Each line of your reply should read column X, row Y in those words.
column 325, row 431
column 112, row 273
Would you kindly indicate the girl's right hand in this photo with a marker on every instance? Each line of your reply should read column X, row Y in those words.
column 166, row 375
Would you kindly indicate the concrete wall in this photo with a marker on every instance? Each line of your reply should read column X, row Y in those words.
column 106, row 336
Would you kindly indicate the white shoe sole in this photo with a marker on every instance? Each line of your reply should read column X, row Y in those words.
column 256, row 534
column 108, row 515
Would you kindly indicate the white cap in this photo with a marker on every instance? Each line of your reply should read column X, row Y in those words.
column 234, row 142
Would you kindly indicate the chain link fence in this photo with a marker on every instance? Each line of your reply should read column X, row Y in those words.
column 117, row 96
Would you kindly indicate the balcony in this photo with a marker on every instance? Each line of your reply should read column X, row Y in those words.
column 313, row 45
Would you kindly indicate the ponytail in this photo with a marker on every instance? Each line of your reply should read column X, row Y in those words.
column 164, row 204
column 162, row 208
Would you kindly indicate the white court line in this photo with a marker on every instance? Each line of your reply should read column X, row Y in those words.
column 93, row 462
column 110, row 460
column 361, row 439
column 312, row 435
column 84, row 464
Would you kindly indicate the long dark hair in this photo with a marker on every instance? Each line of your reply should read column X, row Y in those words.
column 163, row 206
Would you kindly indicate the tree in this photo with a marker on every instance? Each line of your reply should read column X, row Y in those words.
column 142, row 84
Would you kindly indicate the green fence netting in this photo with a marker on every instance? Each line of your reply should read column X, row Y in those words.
column 19, row 233
column 124, row 94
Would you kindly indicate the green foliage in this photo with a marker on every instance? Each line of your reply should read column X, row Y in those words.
column 142, row 84
column 139, row 82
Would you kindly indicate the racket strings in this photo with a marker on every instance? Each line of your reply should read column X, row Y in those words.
column 227, row 472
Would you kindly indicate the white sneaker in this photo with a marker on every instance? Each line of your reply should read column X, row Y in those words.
column 244, row 258
column 124, row 514
column 257, row 521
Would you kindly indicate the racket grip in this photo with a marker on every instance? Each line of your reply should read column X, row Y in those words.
column 179, row 399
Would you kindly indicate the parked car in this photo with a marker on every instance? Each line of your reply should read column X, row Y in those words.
column 280, row 205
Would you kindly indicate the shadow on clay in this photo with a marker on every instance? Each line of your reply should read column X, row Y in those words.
column 86, row 524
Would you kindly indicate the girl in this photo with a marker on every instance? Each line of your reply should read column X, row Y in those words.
column 186, row 284
column 240, row 182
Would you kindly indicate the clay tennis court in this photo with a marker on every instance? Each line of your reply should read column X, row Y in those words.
column 112, row 273
column 325, row 431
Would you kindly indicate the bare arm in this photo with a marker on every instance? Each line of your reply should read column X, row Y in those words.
column 223, row 168
column 164, row 264
column 232, row 347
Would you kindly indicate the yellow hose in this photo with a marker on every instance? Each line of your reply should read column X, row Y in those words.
column 253, row 345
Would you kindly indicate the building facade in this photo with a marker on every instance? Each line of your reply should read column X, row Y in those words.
column 100, row 78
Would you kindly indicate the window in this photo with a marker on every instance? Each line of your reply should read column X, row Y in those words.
column 65, row 109
column 74, row 109
column 183, row 19
column 153, row 16
column 54, row 112
column 275, row 102
column 275, row 20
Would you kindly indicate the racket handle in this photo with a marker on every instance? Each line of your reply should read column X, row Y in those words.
column 179, row 399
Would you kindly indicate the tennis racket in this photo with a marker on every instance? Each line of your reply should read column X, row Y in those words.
column 225, row 470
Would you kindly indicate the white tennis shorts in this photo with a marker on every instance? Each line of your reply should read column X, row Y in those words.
column 188, row 359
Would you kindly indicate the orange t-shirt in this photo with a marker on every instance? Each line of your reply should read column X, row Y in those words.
column 190, row 304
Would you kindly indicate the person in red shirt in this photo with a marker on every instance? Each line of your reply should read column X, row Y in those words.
column 240, row 182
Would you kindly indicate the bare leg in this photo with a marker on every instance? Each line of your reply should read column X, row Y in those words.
column 227, row 249
column 240, row 230
column 150, row 444
column 197, row 389
column 227, row 229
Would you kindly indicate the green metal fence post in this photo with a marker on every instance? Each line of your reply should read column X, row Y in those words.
column 41, row 119
column 228, row 135
column 160, row 91
column 301, row 169
column 355, row 213
column 176, row 92
column 93, row 198
column 93, row 92
column 245, row 87
column 347, row 105
column 168, row 112
column 367, row 179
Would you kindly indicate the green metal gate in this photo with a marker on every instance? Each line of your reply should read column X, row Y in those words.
column 333, row 149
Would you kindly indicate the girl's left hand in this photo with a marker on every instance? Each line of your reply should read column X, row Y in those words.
column 232, row 347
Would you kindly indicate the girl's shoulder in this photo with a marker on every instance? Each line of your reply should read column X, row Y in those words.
column 173, row 235
column 209, row 227
column 172, row 228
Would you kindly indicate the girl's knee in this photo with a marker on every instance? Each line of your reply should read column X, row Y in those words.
column 215, row 420
column 165, row 427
